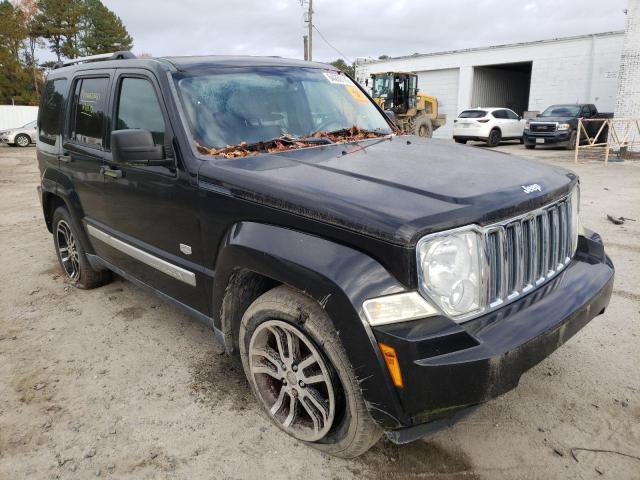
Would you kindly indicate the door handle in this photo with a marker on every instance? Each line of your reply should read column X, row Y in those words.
column 65, row 158
column 111, row 172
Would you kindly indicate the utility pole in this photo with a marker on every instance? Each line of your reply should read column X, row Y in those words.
column 310, row 40
column 305, row 40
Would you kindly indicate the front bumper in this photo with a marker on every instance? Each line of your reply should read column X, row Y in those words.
column 448, row 367
column 559, row 138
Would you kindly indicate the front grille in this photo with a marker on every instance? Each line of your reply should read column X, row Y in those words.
column 527, row 251
column 543, row 127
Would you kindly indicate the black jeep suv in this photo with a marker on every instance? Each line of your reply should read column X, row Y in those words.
column 370, row 282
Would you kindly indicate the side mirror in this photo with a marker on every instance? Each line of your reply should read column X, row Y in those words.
column 519, row 117
column 538, row 115
column 136, row 147
column 390, row 115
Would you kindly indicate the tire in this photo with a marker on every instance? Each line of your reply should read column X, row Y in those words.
column 423, row 128
column 494, row 138
column 344, row 427
column 22, row 140
column 76, row 268
column 529, row 147
column 572, row 141
column 460, row 140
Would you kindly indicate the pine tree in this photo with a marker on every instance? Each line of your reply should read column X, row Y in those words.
column 59, row 22
column 104, row 31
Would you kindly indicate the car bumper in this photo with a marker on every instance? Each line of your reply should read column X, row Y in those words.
column 555, row 138
column 448, row 367
column 471, row 133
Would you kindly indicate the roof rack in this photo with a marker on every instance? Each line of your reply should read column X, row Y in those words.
column 124, row 55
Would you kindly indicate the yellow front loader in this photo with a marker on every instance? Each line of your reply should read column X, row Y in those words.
column 414, row 112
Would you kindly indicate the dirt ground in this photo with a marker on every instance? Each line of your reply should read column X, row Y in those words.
column 114, row 383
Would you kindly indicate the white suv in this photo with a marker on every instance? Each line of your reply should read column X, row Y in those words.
column 491, row 125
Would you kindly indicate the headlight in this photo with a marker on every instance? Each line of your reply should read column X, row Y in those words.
column 449, row 270
column 564, row 126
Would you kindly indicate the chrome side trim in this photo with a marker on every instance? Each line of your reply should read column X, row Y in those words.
column 163, row 266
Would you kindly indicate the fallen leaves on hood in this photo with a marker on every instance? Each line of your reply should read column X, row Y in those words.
column 284, row 143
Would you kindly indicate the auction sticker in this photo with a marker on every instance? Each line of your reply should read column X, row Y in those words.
column 337, row 78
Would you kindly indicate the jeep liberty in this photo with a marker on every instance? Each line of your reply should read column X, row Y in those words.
column 371, row 283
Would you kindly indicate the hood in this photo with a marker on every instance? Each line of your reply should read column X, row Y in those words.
column 394, row 189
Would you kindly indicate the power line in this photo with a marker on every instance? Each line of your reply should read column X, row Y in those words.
column 328, row 43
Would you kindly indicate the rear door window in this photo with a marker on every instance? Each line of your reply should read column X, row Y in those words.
column 89, row 104
column 472, row 114
column 138, row 107
column 51, row 110
column 501, row 114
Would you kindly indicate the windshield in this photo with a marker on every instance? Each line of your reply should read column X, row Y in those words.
column 239, row 107
column 30, row 124
column 472, row 114
column 381, row 85
column 561, row 111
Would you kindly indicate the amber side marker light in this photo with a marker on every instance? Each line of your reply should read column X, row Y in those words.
column 391, row 359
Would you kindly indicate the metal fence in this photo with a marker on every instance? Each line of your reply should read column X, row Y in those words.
column 618, row 136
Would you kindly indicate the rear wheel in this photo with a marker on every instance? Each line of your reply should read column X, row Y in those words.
column 71, row 254
column 494, row 138
column 300, row 374
column 22, row 140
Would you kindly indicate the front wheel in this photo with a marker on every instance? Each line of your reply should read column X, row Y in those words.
column 22, row 140
column 424, row 127
column 460, row 140
column 299, row 372
column 571, row 145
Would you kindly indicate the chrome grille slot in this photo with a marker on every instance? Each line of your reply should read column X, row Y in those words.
column 527, row 251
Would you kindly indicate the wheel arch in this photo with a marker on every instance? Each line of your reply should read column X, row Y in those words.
column 256, row 257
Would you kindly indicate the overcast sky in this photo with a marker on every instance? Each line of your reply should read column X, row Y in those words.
column 357, row 28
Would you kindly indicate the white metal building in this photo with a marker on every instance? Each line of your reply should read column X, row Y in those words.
column 15, row 116
column 521, row 76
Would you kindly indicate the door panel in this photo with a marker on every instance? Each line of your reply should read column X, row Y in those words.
column 82, row 154
column 151, row 208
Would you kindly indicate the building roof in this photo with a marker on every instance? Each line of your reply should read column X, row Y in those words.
column 505, row 45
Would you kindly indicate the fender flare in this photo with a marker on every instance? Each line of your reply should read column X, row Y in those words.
column 339, row 278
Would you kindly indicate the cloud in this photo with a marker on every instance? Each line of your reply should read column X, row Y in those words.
column 356, row 28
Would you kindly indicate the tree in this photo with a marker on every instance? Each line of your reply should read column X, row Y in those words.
column 29, row 9
column 59, row 22
column 104, row 31
column 340, row 64
column 15, row 80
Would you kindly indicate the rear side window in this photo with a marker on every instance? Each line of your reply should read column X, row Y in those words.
column 51, row 108
column 138, row 107
column 472, row 114
column 89, row 105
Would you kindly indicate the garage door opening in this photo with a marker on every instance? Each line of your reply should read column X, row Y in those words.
column 504, row 85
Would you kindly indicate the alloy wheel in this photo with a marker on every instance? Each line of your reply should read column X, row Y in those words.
column 68, row 250
column 292, row 380
column 22, row 141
